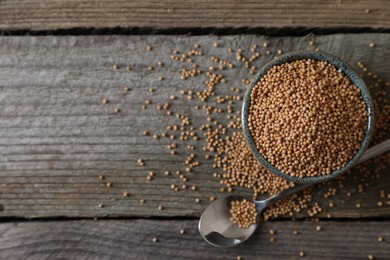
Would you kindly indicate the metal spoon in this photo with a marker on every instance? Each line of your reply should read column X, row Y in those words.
column 217, row 229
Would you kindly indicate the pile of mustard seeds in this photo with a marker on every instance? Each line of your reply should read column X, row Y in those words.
column 307, row 118
column 243, row 213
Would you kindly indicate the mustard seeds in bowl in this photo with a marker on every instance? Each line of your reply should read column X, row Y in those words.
column 307, row 117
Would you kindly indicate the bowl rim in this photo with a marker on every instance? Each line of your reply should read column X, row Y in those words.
column 340, row 65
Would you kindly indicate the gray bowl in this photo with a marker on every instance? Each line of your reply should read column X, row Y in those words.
column 349, row 72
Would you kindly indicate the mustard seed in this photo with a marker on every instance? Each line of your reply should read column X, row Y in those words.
column 117, row 110
column 101, row 177
column 149, row 47
column 109, row 184
column 105, row 101
column 101, row 205
column 197, row 200
column 160, row 207
column 371, row 257
column 125, row 194
column 272, row 232
column 301, row 254
column 116, row 66
column 155, row 240
column 318, row 228
column 372, row 45
column 182, row 231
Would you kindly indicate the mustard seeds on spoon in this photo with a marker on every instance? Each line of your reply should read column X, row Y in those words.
column 243, row 213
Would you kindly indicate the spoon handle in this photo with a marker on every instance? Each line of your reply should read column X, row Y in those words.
column 375, row 151
column 368, row 154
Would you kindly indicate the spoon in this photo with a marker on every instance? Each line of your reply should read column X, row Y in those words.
column 217, row 229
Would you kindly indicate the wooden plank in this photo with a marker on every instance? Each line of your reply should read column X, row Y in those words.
column 56, row 137
column 116, row 239
column 52, row 15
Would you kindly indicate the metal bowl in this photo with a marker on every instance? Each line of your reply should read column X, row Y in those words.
column 349, row 72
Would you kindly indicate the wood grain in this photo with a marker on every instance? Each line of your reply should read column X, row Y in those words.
column 52, row 15
column 56, row 136
column 132, row 239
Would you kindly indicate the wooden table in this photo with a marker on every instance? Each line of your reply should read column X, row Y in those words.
column 59, row 60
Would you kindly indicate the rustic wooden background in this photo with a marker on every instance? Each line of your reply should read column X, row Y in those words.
column 328, row 14
column 57, row 138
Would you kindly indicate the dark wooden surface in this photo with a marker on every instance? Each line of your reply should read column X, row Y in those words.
column 56, row 136
column 133, row 239
column 329, row 14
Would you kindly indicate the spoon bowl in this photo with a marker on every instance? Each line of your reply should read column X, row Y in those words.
column 216, row 227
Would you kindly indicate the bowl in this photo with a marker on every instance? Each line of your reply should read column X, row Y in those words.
column 344, row 68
